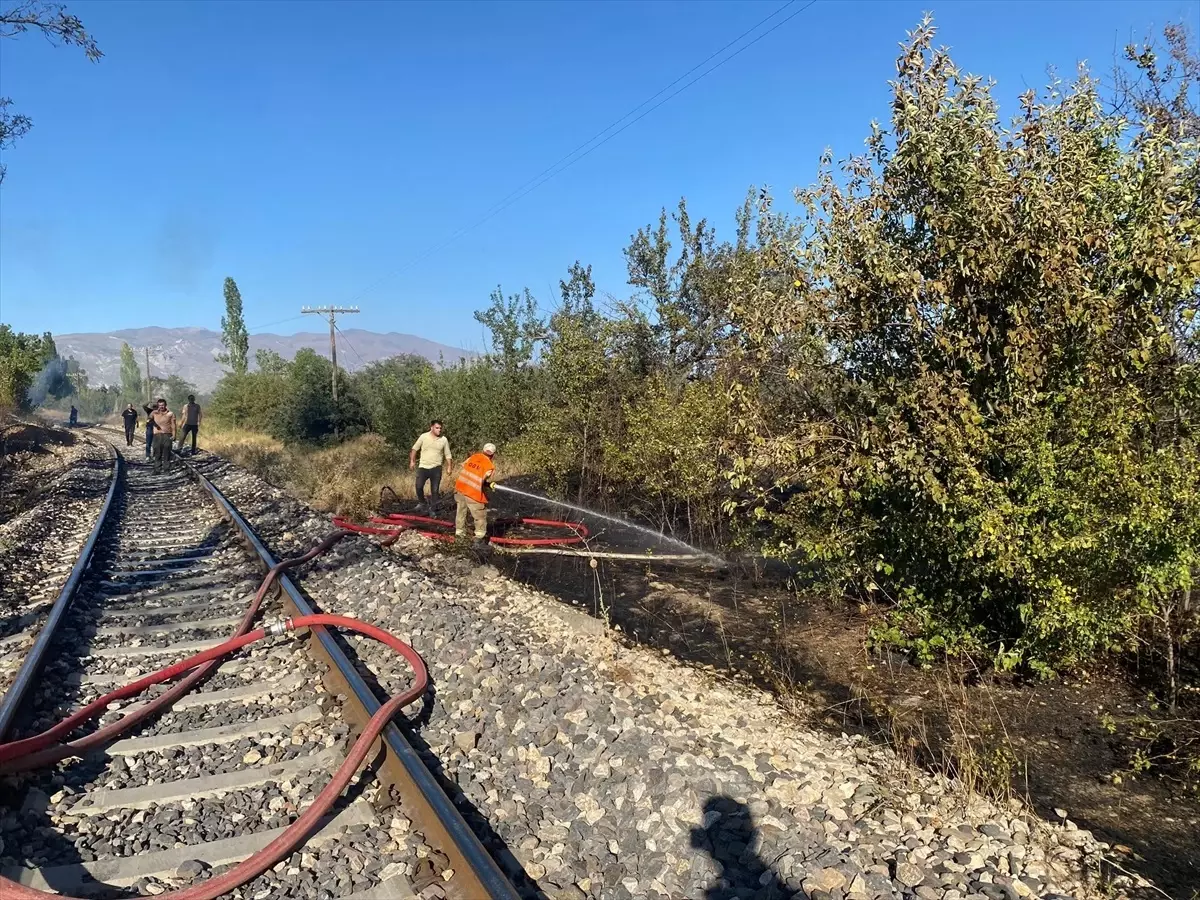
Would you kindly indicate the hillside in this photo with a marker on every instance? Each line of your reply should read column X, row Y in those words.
column 192, row 352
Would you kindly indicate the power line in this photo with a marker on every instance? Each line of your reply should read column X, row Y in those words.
column 516, row 194
column 348, row 344
column 331, row 313
column 571, row 158
column 257, row 328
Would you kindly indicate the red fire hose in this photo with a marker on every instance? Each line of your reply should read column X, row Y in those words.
column 443, row 529
column 55, row 753
column 42, row 749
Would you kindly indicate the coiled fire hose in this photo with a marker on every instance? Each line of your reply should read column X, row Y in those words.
column 396, row 523
column 43, row 749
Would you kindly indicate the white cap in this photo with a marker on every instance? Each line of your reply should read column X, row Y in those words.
column 489, row 449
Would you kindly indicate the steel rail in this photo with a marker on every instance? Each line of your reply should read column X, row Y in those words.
column 15, row 695
column 476, row 874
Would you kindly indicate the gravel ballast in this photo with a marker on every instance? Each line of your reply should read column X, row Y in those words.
column 614, row 771
column 40, row 544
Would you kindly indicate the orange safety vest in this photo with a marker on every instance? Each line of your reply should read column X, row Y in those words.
column 475, row 472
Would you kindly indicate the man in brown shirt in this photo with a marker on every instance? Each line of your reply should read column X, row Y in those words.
column 164, row 436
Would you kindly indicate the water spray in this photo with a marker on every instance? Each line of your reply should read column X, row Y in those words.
column 623, row 523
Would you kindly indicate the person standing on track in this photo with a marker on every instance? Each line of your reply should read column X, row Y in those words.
column 471, row 491
column 129, row 414
column 74, row 417
column 149, row 427
column 164, row 435
column 435, row 456
column 191, row 422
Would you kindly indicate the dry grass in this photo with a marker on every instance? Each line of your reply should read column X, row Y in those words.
column 344, row 479
column 347, row 478
column 257, row 453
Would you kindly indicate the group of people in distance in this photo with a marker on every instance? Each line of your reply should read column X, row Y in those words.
column 161, row 426
column 430, row 456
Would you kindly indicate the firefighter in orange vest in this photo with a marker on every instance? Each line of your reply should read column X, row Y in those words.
column 471, row 493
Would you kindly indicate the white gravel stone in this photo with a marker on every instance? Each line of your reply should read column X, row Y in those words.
column 613, row 771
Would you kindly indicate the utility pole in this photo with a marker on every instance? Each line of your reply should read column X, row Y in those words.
column 149, row 383
column 331, row 312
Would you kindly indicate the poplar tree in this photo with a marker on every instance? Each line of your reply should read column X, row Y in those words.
column 233, row 331
column 131, row 375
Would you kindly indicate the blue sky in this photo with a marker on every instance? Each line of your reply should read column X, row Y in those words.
column 310, row 150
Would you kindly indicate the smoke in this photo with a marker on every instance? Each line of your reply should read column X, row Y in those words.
column 184, row 250
column 52, row 374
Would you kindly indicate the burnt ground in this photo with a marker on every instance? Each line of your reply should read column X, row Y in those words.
column 30, row 454
column 1047, row 742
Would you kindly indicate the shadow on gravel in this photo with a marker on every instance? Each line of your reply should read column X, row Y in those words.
column 1046, row 737
column 731, row 839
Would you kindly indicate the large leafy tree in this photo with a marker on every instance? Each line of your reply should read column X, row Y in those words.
column 514, row 328
column 28, row 369
column 55, row 24
column 396, row 396
column 996, row 329
column 234, row 336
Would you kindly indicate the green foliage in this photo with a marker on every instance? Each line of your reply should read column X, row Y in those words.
column 233, row 331
column 131, row 375
column 291, row 401
column 234, row 336
column 563, row 438
column 686, row 292
column 397, row 394
column 94, row 403
column 396, row 398
column 174, row 390
column 671, row 454
column 23, row 358
column 246, row 401
column 962, row 381
column 980, row 373
column 270, row 362
column 514, row 329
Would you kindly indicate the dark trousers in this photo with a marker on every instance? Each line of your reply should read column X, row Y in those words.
column 162, row 453
column 129, row 435
column 184, row 433
column 149, row 438
column 434, row 477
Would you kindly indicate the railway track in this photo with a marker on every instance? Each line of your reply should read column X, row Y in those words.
column 168, row 572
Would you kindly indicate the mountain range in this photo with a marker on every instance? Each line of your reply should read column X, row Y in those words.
column 192, row 353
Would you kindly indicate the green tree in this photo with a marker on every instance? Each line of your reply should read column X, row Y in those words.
column 686, row 290
column 306, row 412
column 233, row 331
column 174, row 389
column 247, row 401
column 514, row 329
column 397, row 396
column 270, row 362
column 463, row 396
column 578, row 292
column 131, row 375
column 57, row 26
column 989, row 339
column 29, row 371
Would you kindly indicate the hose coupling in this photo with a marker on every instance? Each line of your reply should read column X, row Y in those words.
column 281, row 627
